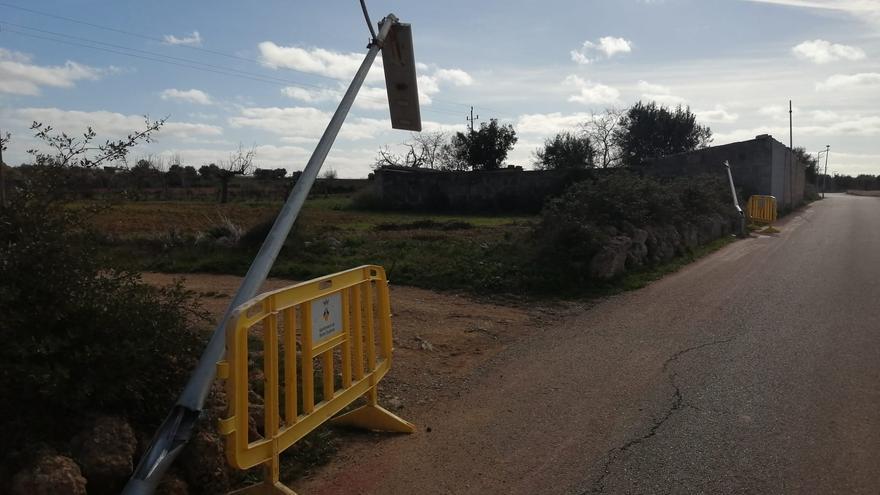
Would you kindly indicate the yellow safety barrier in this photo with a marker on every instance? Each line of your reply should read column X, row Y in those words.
column 344, row 322
column 762, row 210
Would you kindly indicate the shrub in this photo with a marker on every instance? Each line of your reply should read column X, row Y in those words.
column 79, row 337
column 367, row 199
column 576, row 225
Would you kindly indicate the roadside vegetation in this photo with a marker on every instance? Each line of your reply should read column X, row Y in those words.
column 95, row 356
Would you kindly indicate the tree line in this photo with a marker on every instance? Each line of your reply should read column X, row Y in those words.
column 611, row 138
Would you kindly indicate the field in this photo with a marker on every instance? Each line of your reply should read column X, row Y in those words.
column 475, row 253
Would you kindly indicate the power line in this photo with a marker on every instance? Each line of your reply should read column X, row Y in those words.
column 160, row 55
column 190, row 47
column 179, row 62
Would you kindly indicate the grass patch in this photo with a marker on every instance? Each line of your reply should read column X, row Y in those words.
column 483, row 255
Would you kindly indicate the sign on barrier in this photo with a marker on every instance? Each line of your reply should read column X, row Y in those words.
column 334, row 330
column 762, row 209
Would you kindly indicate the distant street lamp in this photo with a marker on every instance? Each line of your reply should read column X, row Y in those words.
column 825, row 175
column 818, row 164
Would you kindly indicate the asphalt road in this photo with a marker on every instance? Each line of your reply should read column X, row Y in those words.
column 754, row 370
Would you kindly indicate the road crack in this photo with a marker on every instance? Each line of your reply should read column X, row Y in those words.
column 676, row 404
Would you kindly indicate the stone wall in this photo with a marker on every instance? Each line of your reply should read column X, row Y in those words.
column 506, row 190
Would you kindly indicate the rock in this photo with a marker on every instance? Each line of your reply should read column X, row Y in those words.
column 51, row 474
column 610, row 261
column 105, row 453
column 333, row 242
column 690, row 235
column 395, row 404
column 204, row 464
column 172, row 485
column 638, row 251
column 424, row 344
column 662, row 243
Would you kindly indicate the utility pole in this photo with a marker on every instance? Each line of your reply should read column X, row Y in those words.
column 825, row 175
column 2, row 173
column 471, row 120
column 790, row 156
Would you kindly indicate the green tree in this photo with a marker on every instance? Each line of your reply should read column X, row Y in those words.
column 810, row 163
column 485, row 149
column 648, row 130
column 209, row 172
column 565, row 150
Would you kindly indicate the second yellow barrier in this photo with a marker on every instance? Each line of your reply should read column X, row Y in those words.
column 762, row 209
column 335, row 330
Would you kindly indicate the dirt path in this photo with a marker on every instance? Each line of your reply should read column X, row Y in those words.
column 441, row 340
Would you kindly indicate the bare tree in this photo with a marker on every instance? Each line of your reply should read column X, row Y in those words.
column 423, row 150
column 81, row 151
column 600, row 129
column 240, row 162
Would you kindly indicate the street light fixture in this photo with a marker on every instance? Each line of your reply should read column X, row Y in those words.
column 825, row 175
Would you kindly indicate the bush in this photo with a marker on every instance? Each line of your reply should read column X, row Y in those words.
column 81, row 338
column 576, row 225
column 367, row 199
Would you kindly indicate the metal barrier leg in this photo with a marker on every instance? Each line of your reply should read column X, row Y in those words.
column 271, row 484
column 372, row 416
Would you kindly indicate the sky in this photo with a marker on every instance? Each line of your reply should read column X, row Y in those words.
column 268, row 74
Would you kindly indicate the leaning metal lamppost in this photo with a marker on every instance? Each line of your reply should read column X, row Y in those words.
column 395, row 41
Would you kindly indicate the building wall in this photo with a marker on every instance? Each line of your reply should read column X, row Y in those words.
column 758, row 166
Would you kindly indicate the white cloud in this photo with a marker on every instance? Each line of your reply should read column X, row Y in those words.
column 659, row 94
column 605, row 47
column 778, row 113
column 717, row 115
column 304, row 124
column 344, row 65
column 457, row 77
column 110, row 124
column 315, row 61
column 368, row 98
column 864, row 9
column 18, row 75
column 646, row 87
column 824, row 116
column 431, row 126
column 372, row 98
column 194, row 39
column 850, row 81
column 547, row 124
column 429, row 84
column 308, row 95
column 195, row 96
column 590, row 93
column 822, row 52
column 854, row 125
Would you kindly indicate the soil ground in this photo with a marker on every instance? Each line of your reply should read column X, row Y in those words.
column 440, row 339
